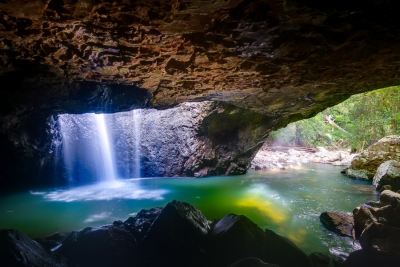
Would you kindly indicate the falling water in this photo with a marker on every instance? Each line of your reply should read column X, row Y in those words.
column 136, row 140
column 107, row 163
column 86, row 148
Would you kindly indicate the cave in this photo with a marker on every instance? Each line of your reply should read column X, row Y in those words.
column 214, row 77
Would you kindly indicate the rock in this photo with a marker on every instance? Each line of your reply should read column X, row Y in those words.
column 52, row 241
column 387, row 197
column 140, row 224
column 18, row 250
column 235, row 237
column 280, row 250
column 176, row 237
column 369, row 160
column 359, row 174
column 364, row 258
column 385, row 187
column 388, row 173
column 251, row 262
column 320, row 259
column 362, row 218
column 340, row 223
column 381, row 239
column 101, row 246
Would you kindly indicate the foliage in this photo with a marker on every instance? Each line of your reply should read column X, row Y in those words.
column 362, row 118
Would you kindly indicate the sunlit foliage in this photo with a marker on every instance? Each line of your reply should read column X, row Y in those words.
column 363, row 118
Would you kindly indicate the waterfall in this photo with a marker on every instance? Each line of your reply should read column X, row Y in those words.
column 107, row 164
column 136, row 142
column 86, row 148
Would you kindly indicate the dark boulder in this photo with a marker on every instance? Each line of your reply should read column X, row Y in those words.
column 338, row 222
column 364, row 258
column 176, row 237
column 382, row 239
column 251, row 262
column 282, row 251
column 17, row 250
column 140, row 224
column 235, row 237
column 362, row 217
column 102, row 246
column 320, row 259
column 51, row 241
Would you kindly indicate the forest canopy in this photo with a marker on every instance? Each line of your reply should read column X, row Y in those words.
column 353, row 124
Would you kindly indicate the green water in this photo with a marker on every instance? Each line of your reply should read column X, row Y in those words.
column 288, row 202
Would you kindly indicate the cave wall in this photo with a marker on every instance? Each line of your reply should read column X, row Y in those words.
column 284, row 59
column 190, row 140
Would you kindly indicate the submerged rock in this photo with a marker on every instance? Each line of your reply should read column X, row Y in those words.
column 16, row 249
column 338, row 222
column 388, row 173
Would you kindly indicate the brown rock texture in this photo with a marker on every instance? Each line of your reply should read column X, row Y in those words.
column 285, row 58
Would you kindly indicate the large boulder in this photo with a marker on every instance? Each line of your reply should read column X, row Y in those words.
column 282, row 251
column 338, row 222
column 102, row 246
column 381, row 238
column 369, row 160
column 235, row 237
column 388, row 173
column 17, row 250
column 176, row 237
column 140, row 224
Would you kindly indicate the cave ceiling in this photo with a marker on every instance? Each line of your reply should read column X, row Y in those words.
column 279, row 58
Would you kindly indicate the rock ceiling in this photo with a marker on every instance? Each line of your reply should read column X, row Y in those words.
column 279, row 58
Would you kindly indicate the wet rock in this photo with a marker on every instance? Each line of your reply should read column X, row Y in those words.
column 388, row 174
column 235, row 237
column 320, row 259
column 19, row 250
column 367, row 162
column 280, row 250
column 340, row 223
column 251, row 262
column 140, row 224
column 176, row 237
column 102, row 246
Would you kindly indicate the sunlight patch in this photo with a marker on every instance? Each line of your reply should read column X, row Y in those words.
column 106, row 191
